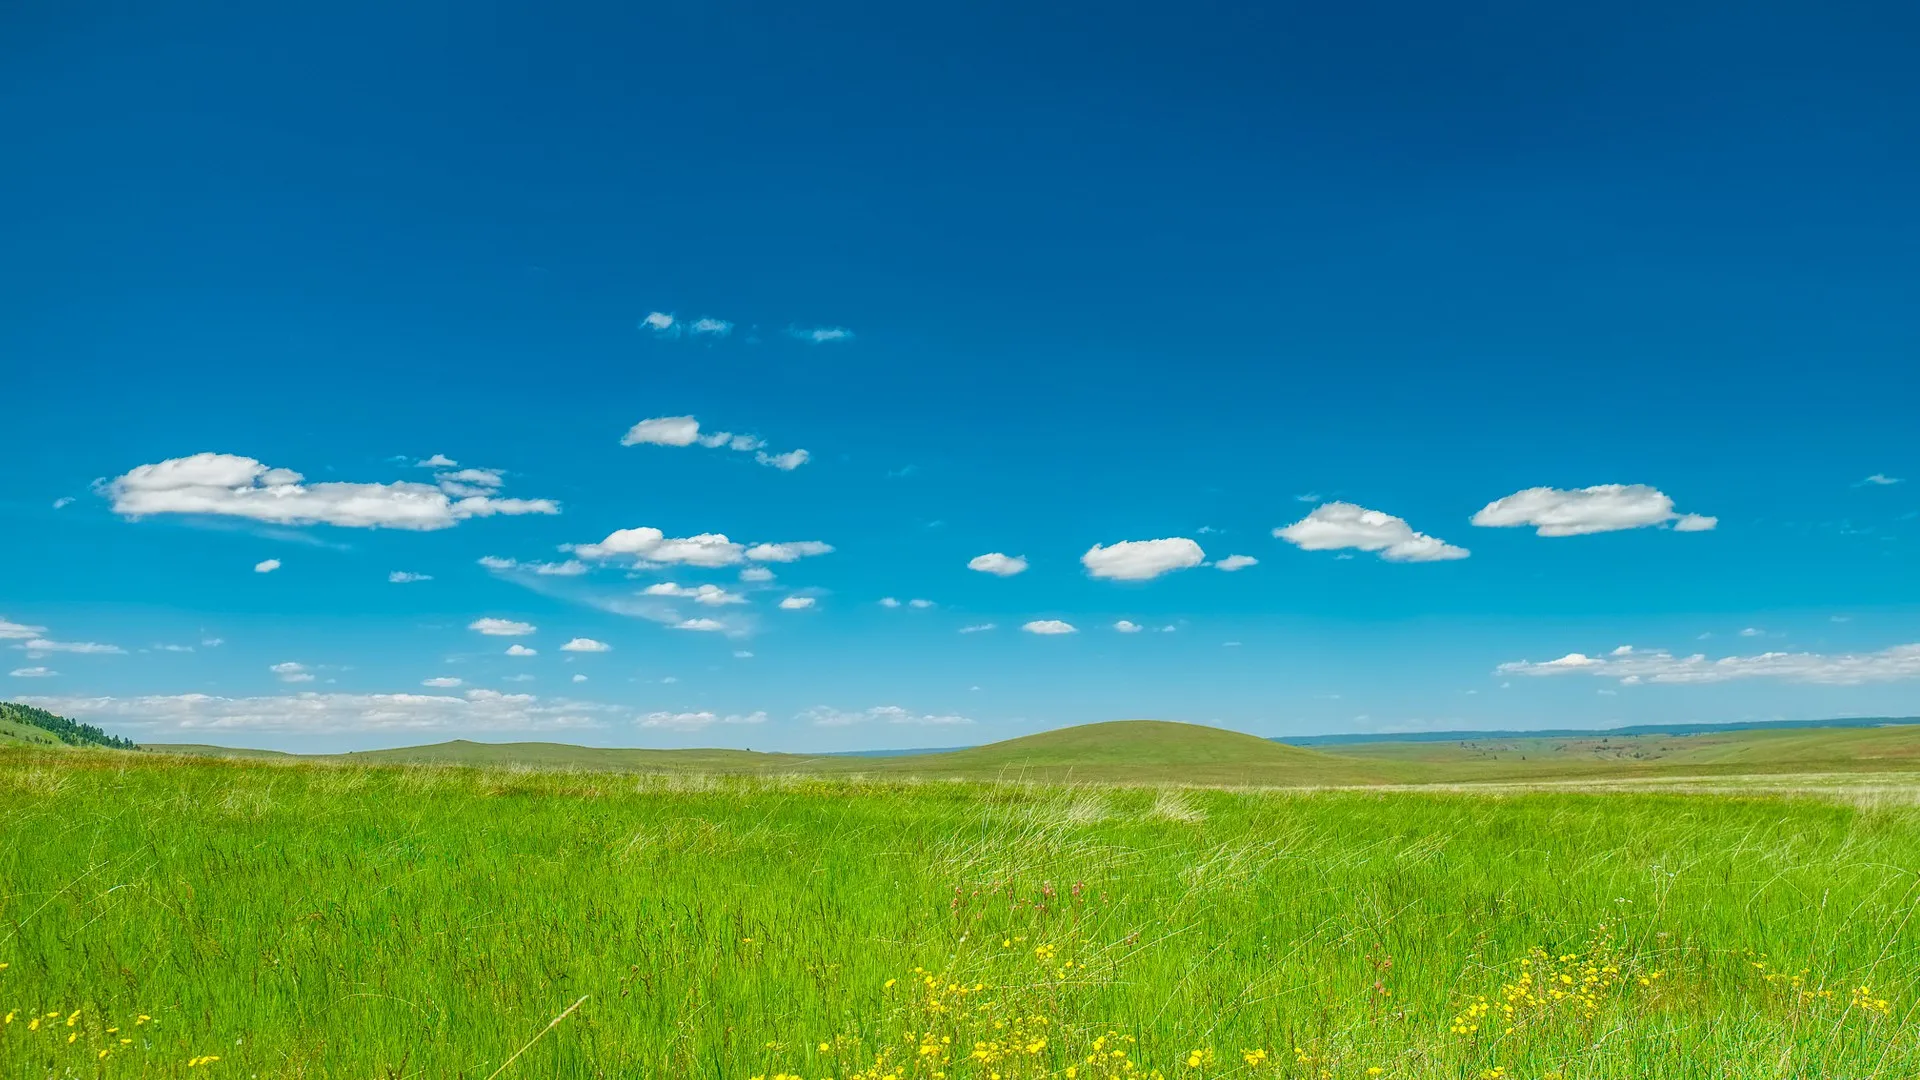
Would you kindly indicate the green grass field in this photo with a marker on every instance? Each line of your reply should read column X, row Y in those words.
column 346, row 920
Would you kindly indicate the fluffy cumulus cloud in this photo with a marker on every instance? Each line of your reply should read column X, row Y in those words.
column 685, row 431
column 1578, row 511
column 291, row 672
column 266, row 566
column 1140, row 560
column 694, row 721
column 706, row 626
column 827, row 716
column 711, row 595
column 1127, row 627
column 1236, row 562
column 586, row 644
column 231, row 486
column 997, row 564
column 1340, row 525
column 756, row 573
column 797, row 603
column 11, row 629
column 441, row 682
column 647, row 546
column 33, row 672
column 889, row 602
column 518, row 649
column 327, row 714
column 660, row 323
column 1634, row 666
column 920, row 603
column 405, row 577
column 711, row 327
column 1049, row 626
column 501, row 627
column 437, row 461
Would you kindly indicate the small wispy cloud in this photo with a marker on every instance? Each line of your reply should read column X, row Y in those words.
column 820, row 335
column 1879, row 480
column 266, row 566
column 403, row 577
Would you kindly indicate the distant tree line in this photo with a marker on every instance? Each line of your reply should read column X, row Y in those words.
column 71, row 732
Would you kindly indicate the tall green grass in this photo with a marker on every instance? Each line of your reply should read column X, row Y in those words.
column 382, row 922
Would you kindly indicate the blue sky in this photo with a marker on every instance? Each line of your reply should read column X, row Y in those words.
column 1318, row 287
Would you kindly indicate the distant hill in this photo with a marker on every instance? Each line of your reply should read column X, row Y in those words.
column 1348, row 738
column 1153, row 751
column 30, row 726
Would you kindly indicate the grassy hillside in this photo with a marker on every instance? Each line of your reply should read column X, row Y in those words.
column 1151, row 751
column 18, row 733
column 61, row 729
column 341, row 921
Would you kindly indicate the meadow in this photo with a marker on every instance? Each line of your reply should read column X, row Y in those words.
column 180, row 916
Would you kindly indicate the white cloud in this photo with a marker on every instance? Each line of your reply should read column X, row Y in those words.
column 402, row 577
column 1753, row 631
column 711, row 595
column 786, row 462
column 742, row 654
column 1236, row 562
column 517, row 649
column 579, row 678
column 658, row 321
column 437, row 461
column 1338, row 525
column 213, row 642
column 517, row 678
column 1140, row 560
column 797, row 603
column 993, row 562
column 442, row 682
column 570, row 568
column 1695, row 523
column 715, row 327
column 1050, row 626
column 1881, row 480
column 663, row 431
column 791, row 551
column 922, row 604
column 322, row 714
column 266, row 566
column 33, row 673
column 38, row 647
column 63, row 502
column 978, row 628
column 233, row 486
column 1578, row 511
column 756, row 573
column 1126, row 627
column 10, row 629
column 826, row 716
column 501, row 627
column 704, row 625
column 291, row 672
column 485, row 478
column 820, row 335
column 173, row 648
column 1844, row 669
column 889, row 602
column 694, row 721
column 685, row 431
column 586, row 644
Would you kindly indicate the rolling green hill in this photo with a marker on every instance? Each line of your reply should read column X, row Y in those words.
column 26, row 725
column 1152, row 751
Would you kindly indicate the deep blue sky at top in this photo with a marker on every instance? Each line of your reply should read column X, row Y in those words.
column 1114, row 271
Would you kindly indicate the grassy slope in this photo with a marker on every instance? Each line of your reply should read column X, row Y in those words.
column 15, row 733
column 1149, row 751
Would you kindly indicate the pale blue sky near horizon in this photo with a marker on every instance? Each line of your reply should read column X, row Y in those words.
column 1017, row 281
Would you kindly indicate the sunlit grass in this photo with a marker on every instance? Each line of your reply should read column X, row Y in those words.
column 330, row 921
